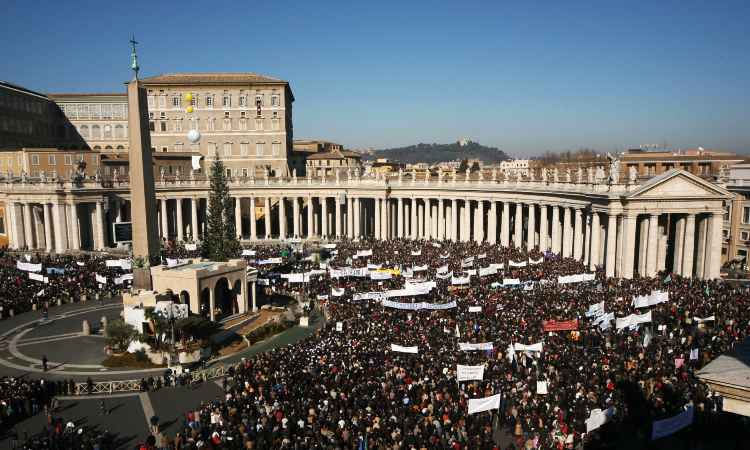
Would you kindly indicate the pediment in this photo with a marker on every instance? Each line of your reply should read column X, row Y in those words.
column 678, row 184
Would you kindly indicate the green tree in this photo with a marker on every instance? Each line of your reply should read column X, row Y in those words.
column 119, row 334
column 475, row 167
column 221, row 239
column 196, row 327
column 463, row 166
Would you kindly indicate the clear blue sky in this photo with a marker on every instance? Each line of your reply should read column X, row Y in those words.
column 527, row 78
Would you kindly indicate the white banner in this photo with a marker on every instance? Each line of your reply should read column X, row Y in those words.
column 124, row 264
column 458, row 281
column 446, row 256
column 100, row 279
column 369, row 296
column 466, row 373
column 707, row 319
column 442, row 269
column 294, row 277
column 596, row 309
column 632, row 320
column 196, row 161
column 535, row 262
column 482, row 256
column 672, row 425
column 400, row 349
column 191, row 247
column 374, row 266
column 597, row 418
column 175, row 262
column 349, row 272
column 38, row 277
column 468, row 262
column 329, row 246
column 444, row 276
column 248, row 252
column 419, row 305
column 375, row 275
column 362, row 253
column 656, row 297
column 541, row 387
column 475, row 309
column 28, row 267
column 511, row 281
column 416, row 253
column 261, row 262
column 339, row 326
column 469, row 347
column 337, row 292
column 124, row 278
column 497, row 266
column 484, row 271
column 517, row 264
column 322, row 297
column 528, row 348
column 477, row 405
column 577, row 278
column 420, row 268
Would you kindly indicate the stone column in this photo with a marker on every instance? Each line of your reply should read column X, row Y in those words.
column 75, row 234
column 628, row 246
column 413, row 219
column 100, row 225
column 378, row 218
column 350, row 217
column 479, row 225
column 543, row 229
column 454, row 220
column 505, row 225
column 211, row 304
column 267, row 216
column 712, row 266
column 282, row 218
column 338, row 207
column 661, row 254
column 642, row 246
column 700, row 249
column 164, row 219
column 441, row 219
column 60, row 230
column 324, row 231
column 47, row 226
column 688, row 243
column 466, row 237
column 567, row 236
column 194, row 219
column 492, row 223
column 611, row 250
column 296, row 216
column 237, row 216
column 310, row 216
column 531, row 233
column 27, row 225
column 578, row 235
column 254, row 296
column 556, row 247
column 357, row 224
column 518, row 227
column 385, row 221
column 253, row 220
column 652, row 245
column 594, row 242
column 180, row 225
column 400, row 217
column 10, row 207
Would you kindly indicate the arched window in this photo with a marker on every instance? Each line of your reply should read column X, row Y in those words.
column 84, row 131
column 96, row 132
column 107, row 131
column 96, row 147
column 120, row 147
column 108, row 147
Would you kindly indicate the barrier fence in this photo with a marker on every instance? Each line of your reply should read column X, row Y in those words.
column 119, row 386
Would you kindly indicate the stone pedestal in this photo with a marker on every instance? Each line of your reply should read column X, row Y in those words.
column 304, row 321
column 142, row 279
column 104, row 322
column 86, row 331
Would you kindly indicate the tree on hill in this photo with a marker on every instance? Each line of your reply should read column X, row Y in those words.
column 432, row 153
column 220, row 242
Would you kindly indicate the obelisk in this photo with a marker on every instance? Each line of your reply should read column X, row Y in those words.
column 142, row 197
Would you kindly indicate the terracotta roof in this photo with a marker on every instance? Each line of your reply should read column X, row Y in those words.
column 336, row 154
column 210, row 78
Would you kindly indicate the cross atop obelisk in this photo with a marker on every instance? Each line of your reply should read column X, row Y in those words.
column 134, row 57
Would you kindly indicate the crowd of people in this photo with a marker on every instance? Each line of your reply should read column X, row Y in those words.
column 346, row 387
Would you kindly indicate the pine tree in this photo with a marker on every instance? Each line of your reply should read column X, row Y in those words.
column 220, row 242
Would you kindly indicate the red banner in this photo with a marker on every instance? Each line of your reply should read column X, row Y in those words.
column 564, row 325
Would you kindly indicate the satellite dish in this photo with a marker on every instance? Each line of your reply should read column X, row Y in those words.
column 194, row 136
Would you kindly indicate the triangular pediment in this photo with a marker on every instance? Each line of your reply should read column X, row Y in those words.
column 678, row 183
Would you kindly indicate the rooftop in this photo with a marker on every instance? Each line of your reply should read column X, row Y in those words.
column 213, row 78
column 336, row 154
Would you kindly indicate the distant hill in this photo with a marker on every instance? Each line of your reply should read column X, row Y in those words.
column 432, row 153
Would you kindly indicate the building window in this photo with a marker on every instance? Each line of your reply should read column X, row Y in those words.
column 164, row 149
column 176, row 100
column 258, row 124
column 227, row 124
column 194, row 100
column 162, row 115
column 163, row 126
column 211, row 149
column 227, row 149
column 226, row 101
column 119, row 132
column 744, row 235
column 151, row 101
column 725, row 233
column 226, row 114
column 229, row 173
column 209, row 101
column 178, row 125
column 746, row 214
column 243, row 124
column 84, row 131
column 68, row 160
column 211, row 124
column 243, row 148
column 275, row 124
column 51, row 160
column 244, row 172
column 243, row 101
column 107, row 131
column 34, row 160
column 276, row 148
column 178, row 146
column 260, row 149
column 151, row 125
column 274, row 100
column 96, row 132
column 162, row 101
